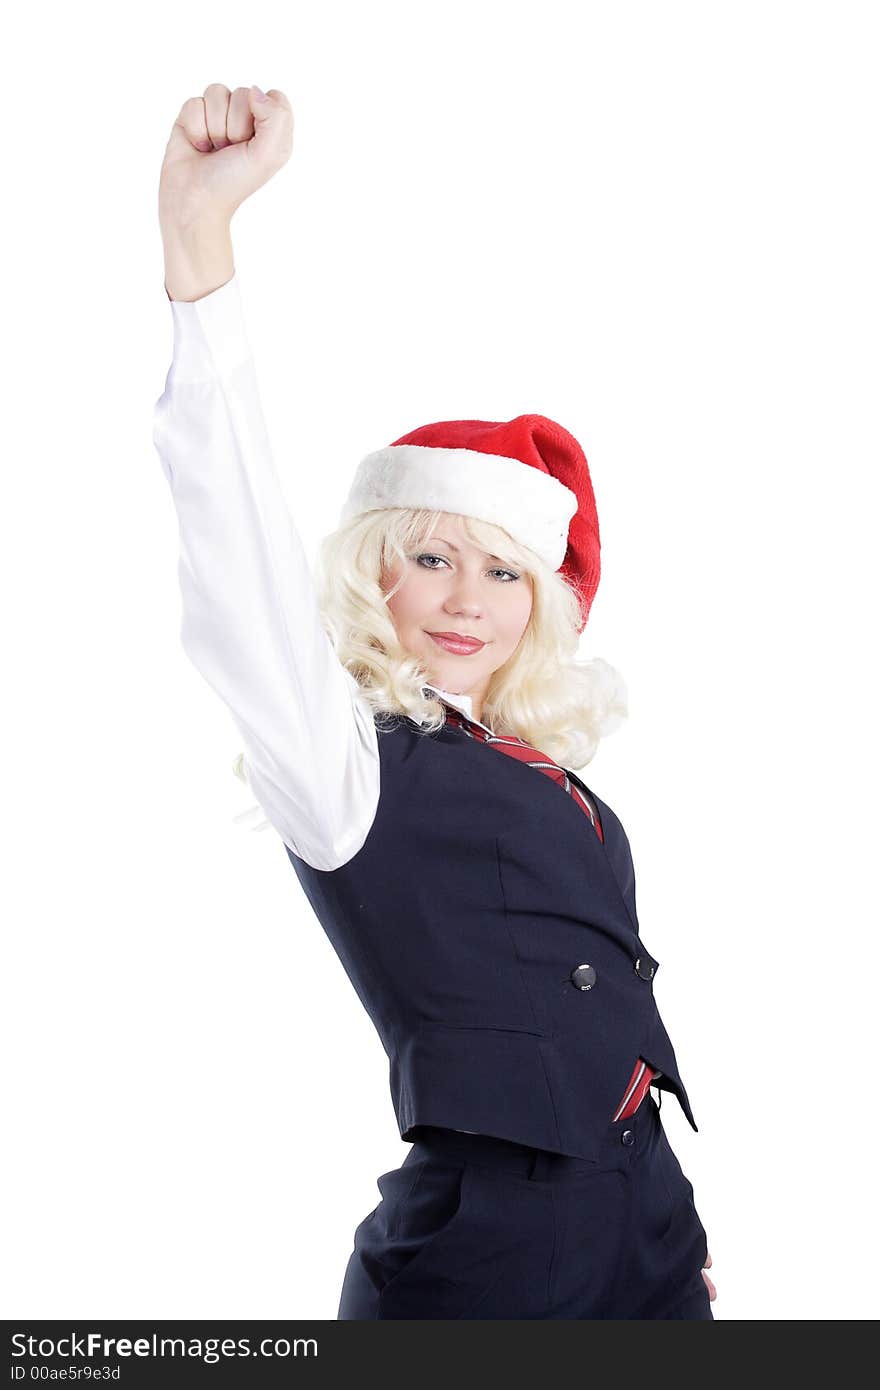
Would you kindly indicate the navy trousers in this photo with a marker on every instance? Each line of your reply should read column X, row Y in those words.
column 470, row 1226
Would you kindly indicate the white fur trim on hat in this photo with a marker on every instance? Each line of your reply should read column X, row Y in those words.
column 534, row 507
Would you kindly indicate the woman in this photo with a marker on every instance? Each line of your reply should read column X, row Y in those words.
column 407, row 736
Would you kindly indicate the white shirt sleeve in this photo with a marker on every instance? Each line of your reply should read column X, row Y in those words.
column 250, row 621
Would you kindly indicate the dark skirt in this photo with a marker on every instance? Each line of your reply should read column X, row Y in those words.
column 470, row 1226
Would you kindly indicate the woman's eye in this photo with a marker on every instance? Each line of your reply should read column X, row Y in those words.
column 419, row 558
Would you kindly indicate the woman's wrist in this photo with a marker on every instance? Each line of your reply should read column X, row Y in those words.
column 198, row 259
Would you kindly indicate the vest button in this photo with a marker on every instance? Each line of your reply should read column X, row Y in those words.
column 627, row 1137
column 583, row 977
column 644, row 969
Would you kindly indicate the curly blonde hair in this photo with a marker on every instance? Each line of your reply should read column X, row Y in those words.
column 542, row 694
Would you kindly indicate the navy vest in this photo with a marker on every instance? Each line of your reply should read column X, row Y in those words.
column 464, row 923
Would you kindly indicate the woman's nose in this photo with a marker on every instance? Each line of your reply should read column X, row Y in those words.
column 461, row 600
column 465, row 594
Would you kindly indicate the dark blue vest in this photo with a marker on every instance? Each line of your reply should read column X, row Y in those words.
column 481, row 887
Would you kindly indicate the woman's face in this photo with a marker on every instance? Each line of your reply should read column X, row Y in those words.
column 452, row 587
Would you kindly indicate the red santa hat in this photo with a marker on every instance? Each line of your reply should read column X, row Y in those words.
column 527, row 475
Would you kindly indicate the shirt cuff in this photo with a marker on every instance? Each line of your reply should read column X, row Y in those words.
column 210, row 337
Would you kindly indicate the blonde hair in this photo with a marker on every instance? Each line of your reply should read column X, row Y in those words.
column 543, row 694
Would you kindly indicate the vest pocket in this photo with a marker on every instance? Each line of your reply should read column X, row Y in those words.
column 427, row 1026
column 489, row 1080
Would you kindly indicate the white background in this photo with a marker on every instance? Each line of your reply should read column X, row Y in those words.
column 656, row 224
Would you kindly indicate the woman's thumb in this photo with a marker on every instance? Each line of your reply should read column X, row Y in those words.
column 273, row 126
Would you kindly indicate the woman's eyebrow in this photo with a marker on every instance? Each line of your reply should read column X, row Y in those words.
column 491, row 555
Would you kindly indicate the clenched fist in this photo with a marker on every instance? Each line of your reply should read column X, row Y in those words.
column 223, row 147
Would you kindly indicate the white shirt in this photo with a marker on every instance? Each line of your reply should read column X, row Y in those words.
column 250, row 619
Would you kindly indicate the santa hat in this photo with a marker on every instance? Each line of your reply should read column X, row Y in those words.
column 527, row 475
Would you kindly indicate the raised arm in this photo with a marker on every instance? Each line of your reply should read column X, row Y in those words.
column 251, row 623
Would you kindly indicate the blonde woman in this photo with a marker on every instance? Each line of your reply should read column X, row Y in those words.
column 411, row 720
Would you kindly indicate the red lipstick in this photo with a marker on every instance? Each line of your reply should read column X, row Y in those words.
column 457, row 642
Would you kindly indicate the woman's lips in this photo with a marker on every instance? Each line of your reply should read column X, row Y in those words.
column 457, row 645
